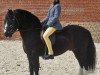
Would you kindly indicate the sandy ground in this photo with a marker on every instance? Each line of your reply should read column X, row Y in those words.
column 13, row 61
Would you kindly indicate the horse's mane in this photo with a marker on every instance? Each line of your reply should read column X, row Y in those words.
column 30, row 17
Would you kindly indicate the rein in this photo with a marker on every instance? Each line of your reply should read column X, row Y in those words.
column 28, row 29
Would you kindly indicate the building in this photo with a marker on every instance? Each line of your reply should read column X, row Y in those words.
column 73, row 11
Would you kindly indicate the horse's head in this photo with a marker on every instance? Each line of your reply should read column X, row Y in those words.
column 22, row 20
column 9, row 24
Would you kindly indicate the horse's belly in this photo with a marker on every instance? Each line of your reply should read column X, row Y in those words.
column 61, row 45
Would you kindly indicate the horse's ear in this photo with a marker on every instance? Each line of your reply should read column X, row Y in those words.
column 10, row 10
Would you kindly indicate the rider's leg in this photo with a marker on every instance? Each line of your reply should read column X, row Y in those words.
column 47, row 33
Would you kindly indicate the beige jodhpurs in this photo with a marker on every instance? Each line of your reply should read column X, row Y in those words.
column 47, row 33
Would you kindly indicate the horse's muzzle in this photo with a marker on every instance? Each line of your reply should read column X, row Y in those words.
column 7, row 34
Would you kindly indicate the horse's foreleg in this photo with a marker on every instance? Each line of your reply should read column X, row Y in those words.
column 31, row 68
column 36, row 67
column 33, row 65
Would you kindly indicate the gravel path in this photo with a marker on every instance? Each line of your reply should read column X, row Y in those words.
column 13, row 61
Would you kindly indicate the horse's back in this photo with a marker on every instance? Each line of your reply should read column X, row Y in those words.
column 78, row 33
column 75, row 31
column 74, row 28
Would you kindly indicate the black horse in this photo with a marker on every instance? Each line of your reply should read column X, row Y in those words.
column 72, row 37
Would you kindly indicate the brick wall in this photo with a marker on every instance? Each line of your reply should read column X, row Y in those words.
column 72, row 10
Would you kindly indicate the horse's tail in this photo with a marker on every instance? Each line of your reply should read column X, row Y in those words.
column 91, row 54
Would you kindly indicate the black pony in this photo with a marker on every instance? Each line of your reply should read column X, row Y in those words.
column 72, row 37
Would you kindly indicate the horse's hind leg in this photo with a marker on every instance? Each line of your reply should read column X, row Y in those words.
column 85, row 72
column 82, row 71
column 79, row 57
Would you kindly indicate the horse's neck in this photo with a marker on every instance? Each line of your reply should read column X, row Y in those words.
column 30, row 34
column 32, row 39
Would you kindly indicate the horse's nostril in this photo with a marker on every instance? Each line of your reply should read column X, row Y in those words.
column 7, row 34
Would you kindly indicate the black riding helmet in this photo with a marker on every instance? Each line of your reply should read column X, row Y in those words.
column 56, row 2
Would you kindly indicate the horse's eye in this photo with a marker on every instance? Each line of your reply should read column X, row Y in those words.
column 13, row 19
column 11, row 26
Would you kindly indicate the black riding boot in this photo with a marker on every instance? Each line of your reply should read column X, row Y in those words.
column 49, row 57
column 46, row 55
